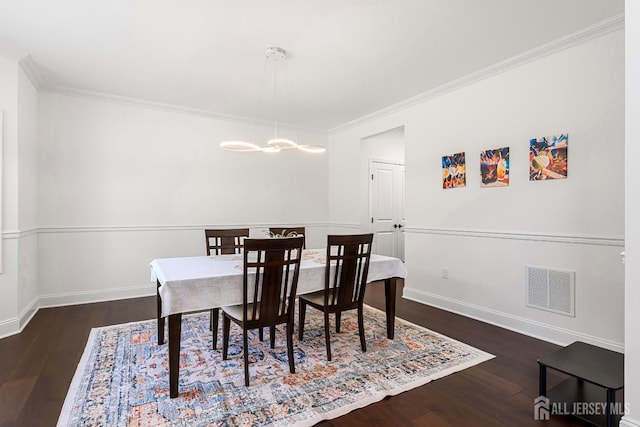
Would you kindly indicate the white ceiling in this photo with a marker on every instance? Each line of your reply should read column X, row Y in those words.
column 346, row 58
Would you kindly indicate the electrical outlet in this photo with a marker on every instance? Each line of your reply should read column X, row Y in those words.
column 445, row 273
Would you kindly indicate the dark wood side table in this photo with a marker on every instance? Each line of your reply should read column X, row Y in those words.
column 596, row 374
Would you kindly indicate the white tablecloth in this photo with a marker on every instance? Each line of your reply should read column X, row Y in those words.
column 203, row 282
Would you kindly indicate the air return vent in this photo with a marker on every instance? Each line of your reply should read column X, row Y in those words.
column 551, row 290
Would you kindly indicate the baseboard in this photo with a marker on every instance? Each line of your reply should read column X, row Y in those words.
column 16, row 325
column 87, row 297
column 9, row 327
column 27, row 314
column 518, row 324
column 626, row 422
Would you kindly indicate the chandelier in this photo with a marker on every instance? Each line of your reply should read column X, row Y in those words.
column 274, row 56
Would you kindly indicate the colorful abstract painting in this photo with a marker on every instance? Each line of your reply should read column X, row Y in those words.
column 454, row 171
column 548, row 157
column 494, row 167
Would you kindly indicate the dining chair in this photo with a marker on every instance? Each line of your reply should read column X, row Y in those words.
column 270, row 280
column 346, row 269
column 223, row 242
column 285, row 232
column 289, row 232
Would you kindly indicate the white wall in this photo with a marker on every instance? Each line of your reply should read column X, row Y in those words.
column 27, row 197
column 8, row 277
column 18, row 280
column 632, row 213
column 486, row 236
column 120, row 185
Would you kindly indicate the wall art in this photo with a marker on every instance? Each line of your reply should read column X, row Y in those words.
column 454, row 171
column 494, row 167
column 548, row 157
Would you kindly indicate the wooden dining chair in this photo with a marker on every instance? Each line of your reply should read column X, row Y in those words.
column 285, row 232
column 346, row 269
column 289, row 232
column 223, row 242
column 270, row 280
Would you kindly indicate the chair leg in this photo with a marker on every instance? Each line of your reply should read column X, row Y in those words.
column 301, row 314
column 292, row 367
column 338, row 316
column 272, row 333
column 245, row 343
column 327, row 338
column 260, row 334
column 363, row 343
column 213, row 324
column 226, row 325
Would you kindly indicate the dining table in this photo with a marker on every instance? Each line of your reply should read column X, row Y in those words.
column 191, row 284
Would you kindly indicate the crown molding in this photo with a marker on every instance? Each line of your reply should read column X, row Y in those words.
column 582, row 36
column 599, row 29
column 30, row 68
column 172, row 108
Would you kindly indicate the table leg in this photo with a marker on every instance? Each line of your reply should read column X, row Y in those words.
column 390, row 304
column 611, row 397
column 543, row 380
column 175, row 331
column 159, row 314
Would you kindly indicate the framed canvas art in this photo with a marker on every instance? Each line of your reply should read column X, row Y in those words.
column 454, row 171
column 548, row 157
column 494, row 167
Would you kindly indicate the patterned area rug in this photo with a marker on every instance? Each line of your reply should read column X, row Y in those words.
column 123, row 377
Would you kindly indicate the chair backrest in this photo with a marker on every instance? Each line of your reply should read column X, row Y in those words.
column 226, row 241
column 289, row 232
column 346, row 269
column 271, row 269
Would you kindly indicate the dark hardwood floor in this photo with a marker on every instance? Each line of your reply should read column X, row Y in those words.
column 37, row 366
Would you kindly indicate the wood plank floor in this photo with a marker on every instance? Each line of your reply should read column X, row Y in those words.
column 37, row 366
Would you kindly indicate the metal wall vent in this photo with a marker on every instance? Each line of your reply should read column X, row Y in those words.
column 551, row 290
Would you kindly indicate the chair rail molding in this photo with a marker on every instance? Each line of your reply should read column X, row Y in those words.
column 520, row 235
column 17, row 234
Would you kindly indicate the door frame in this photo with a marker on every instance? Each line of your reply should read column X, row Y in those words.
column 373, row 160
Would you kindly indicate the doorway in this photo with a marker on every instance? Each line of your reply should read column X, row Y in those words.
column 387, row 208
column 383, row 166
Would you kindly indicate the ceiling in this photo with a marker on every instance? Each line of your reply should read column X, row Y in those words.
column 345, row 58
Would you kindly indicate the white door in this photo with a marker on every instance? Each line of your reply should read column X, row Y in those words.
column 387, row 208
